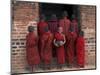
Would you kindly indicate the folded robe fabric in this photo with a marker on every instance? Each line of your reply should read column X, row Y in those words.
column 70, row 46
column 46, row 47
column 80, row 51
column 65, row 24
column 60, row 51
column 32, row 53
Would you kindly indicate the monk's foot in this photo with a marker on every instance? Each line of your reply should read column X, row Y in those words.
column 69, row 65
column 59, row 67
column 81, row 66
column 48, row 68
column 44, row 68
column 76, row 66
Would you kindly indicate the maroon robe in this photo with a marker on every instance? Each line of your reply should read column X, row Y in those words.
column 74, row 23
column 41, row 26
column 32, row 54
column 80, row 51
column 53, row 25
column 65, row 24
column 70, row 47
column 60, row 51
column 46, row 47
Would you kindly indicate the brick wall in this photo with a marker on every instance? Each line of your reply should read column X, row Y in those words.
column 27, row 13
column 88, row 24
column 24, row 14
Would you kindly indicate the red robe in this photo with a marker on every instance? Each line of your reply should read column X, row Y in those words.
column 60, row 51
column 32, row 54
column 41, row 26
column 65, row 24
column 53, row 26
column 74, row 23
column 70, row 46
column 46, row 47
column 80, row 51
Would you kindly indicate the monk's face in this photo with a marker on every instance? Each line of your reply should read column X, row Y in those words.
column 60, row 29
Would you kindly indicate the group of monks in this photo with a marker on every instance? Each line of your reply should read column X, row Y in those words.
column 56, row 38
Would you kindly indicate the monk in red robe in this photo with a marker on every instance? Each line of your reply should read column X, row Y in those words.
column 32, row 53
column 59, row 41
column 65, row 23
column 80, row 49
column 74, row 23
column 70, row 49
column 46, row 47
column 41, row 25
column 53, row 26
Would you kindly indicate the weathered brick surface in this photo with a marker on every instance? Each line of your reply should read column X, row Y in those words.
column 24, row 14
column 27, row 13
column 88, row 24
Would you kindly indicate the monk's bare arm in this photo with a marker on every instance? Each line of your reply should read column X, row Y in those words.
column 54, row 41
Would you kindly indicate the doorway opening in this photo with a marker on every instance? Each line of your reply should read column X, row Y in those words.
column 51, row 8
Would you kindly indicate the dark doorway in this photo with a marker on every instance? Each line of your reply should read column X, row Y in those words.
column 50, row 8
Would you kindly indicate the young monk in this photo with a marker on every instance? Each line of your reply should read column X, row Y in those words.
column 70, row 46
column 53, row 26
column 59, row 41
column 53, row 23
column 74, row 23
column 46, row 48
column 80, row 50
column 65, row 23
column 32, row 53
column 41, row 25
